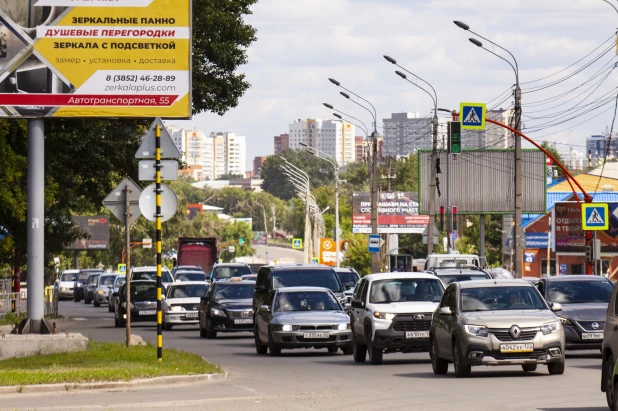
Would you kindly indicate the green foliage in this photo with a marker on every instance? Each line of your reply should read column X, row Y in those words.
column 469, row 242
column 231, row 177
column 552, row 150
column 357, row 255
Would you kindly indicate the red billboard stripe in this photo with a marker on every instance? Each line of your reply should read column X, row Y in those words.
column 88, row 100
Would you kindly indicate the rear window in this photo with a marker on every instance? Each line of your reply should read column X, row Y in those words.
column 350, row 278
column 306, row 278
column 107, row 280
column 448, row 279
column 166, row 277
column 220, row 273
column 191, row 276
column 68, row 277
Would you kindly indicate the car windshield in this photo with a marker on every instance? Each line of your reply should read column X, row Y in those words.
column 166, row 277
column 188, row 268
column 457, row 278
column 68, row 277
column 501, row 299
column 144, row 292
column 307, row 278
column 187, row 291
column 405, row 289
column 191, row 276
column 120, row 281
column 94, row 278
column 107, row 280
column 233, row 291
column 579, row 292
column 306, row 301
column 229, row 272
column 348, row 278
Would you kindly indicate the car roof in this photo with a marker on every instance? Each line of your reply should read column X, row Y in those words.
column 143, row 282
column 457, row 271
column 581, row 277
column 87, row 270
column 148, row 268
column 301, row 289
column 316, row 267
column 495, row 283
column 70, row 271
column 243, row 282
column 189, row 272
column 109, row 275
column 396, row 275
column 231, row 265
column 187, row 283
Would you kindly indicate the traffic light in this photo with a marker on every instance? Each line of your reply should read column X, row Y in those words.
column 454, row 137
column 240, row 241
column 589, row 256
column 454, row 218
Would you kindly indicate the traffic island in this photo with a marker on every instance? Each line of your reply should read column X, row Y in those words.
column 102, row 363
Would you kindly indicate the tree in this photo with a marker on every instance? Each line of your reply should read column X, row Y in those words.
column 357, row 256
column 470, row 242
column 552, row 150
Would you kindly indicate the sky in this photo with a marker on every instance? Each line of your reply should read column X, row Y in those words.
column 301, row 43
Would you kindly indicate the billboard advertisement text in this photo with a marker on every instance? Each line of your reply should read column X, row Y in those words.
column 397, row 213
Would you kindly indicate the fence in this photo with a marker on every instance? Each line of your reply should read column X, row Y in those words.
column 20, row 300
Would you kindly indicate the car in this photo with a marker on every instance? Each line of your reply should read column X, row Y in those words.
column 271, row 277
column 104, row 282
column 143, row 304
column 441, row 260
column 349, row 278
column 181, row 303
column 185, row 268
column 64, row 285
column 584, row 300
column 194, row 275
column 303, row 317
column 79, row 287
column 609, row 350
column 90, row 285
column 118, row 281
column 496, row 322
column 226, row 271
column 150, row 273
column 500, row 273
column 226, row 308
column 391, row 312
column 463, row 273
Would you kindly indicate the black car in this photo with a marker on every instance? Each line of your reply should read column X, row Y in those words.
column 349, row 278
column 143, row 302
column 226, row 308
column 90, row 286
column 79, row 288
column 584, row 300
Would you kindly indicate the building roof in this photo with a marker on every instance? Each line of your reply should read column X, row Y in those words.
column 610, row 170
column 589, row 182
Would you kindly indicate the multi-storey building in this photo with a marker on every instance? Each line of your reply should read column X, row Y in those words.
column 282, row 142
column 360, row 148
column 333, row 137
column 257, row 166
column 496, row 136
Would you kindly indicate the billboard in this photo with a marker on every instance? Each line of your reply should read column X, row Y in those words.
column 97, row 233
column 482, row 181
column 328, row 251
column 122, row 58
column 397, row 213
column 568, row 235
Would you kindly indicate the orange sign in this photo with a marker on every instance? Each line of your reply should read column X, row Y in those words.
column 328, row 251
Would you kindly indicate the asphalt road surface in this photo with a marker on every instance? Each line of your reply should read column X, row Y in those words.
column 277, row 253
column 316, row 380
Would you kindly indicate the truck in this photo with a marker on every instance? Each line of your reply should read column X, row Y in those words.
column 197, row 251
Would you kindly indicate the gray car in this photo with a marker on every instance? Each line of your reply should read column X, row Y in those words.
column 303, row 317
column 118, row 281
column 495, row 322
column 100, row 292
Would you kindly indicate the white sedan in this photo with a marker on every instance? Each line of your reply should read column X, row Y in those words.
column 181, row 303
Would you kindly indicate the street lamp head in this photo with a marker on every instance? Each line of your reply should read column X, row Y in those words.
column 328, row 105
column 400, row 74
column 335, row 82
column 476, row 42
column 344, row 94
column 303, row 144
column 390, row 59
column 461, row 24
column 337, row 115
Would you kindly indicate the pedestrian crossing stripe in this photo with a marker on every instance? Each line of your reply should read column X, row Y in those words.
column 472, row 116
column 595, row 216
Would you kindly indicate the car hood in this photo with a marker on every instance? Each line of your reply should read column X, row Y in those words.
column 406, row 307
column 584, row 312
column 311, row 317
column 239, row 304
column 189, row 300
column 505, row 319
column 66, row 284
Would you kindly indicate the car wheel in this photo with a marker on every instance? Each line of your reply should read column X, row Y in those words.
column 86, row 300
column 439, row 366
column 109, row 308
column 259, row 347
column 347, row 350
column 610, row 394
column 168, row 327
column 528, row 367
column 274, row 349
column 557, row 368
column 119, row 323
column 615, row 390
column 333, row 350
column 96, row 303
column 211, row 334
column 359, row 351
column 76, row 299
column 375, row 354
column 461, row 370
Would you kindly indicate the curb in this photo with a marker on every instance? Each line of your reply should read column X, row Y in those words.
column 7, row 329
column 39, row 388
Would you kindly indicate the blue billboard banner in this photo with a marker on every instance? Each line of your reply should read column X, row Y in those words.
column 536, row 240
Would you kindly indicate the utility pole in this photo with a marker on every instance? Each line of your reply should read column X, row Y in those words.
column 519, row 186
column 375, row 257
column 432, row 184
column 127, row 236
column 548, row 246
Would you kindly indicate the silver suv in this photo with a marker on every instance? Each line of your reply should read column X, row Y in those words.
column 495, row 322
column 609, row 348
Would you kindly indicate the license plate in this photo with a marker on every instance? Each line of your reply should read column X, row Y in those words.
column 316, row 335
column 148, row 313
column 417, row 334
column 244, row 321
column 527, row 347
column 191, row 315
column 592, row 336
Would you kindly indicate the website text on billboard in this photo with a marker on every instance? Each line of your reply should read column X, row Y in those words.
column 397, row 213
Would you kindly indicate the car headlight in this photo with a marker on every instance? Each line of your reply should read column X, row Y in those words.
column 63, row 289
column 179, row 308
column 550, row 327
column 100, row 292
column 342, row 327
column 384, row 316
column 565, row 321
column 286, row 327
column 217, row 312
column 478, row 330
column 124, row 305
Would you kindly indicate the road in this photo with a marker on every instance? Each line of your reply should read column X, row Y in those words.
column 277, row 253
column 316, row 380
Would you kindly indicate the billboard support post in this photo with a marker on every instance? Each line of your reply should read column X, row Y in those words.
column 127, row 238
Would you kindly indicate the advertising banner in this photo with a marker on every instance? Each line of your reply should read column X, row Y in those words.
column 328, row 251
column 568, row 233
column 536, row 240
column 84, row 58
column 397, row 213
column 97, row 233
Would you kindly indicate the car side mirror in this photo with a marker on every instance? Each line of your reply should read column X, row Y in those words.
column 204, row 299
column 162, row 297
column 446, row 311
column 347, row 286
column 348, row 306
column 357, row 304
column 114, row 294
column 263, row 309
column 260, row 289
column 556, row 307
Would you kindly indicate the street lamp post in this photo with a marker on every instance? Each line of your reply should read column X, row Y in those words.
column 292, row 169
column 434, row 151
column 519, row 183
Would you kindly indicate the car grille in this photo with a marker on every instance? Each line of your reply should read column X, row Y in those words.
column 316, row 327
column 190, row 307
column 408, row 323
column 536, row 355
column 240, row 313
column 503, row 335
column 317, row 340
column 587, row 325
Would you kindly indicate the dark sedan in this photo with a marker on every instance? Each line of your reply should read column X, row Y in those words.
column 143, row 304
column 584, row 300
column 228, row 307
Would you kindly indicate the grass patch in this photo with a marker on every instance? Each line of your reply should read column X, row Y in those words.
column 12, row 319
column 102, row 362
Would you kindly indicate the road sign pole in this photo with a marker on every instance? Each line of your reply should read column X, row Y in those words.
column 158, row 239
column 127, row 238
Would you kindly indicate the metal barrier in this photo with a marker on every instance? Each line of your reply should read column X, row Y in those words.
column 20, row 302
column 5, row 286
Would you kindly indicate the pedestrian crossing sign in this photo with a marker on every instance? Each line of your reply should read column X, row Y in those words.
column 595, row 216
column 297, row 243
column 472, row 115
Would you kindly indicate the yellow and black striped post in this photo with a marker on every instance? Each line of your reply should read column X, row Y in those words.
column 158, row 240
column 13, row 263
